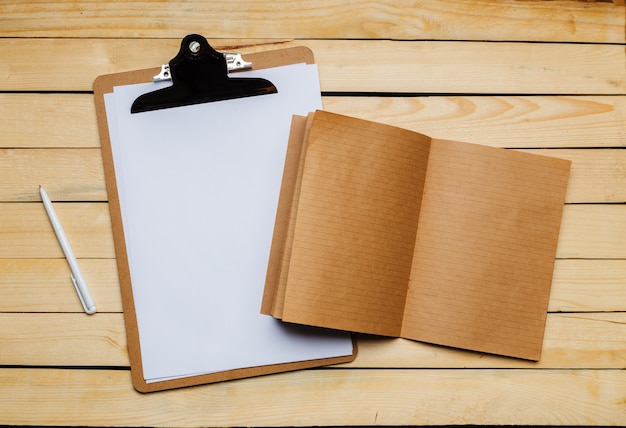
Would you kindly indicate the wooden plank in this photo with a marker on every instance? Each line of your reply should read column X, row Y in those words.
column 470, row 68
column 73, row 64
column 35, row 120
column 597, row 175
column 48, row 120
column 500, row 121
column 588, row 285
column 587, row 231
column 321, row 397
column 25, row 230
column 591, row 340
column 76, row 174
column 593, row 231
column 40, row 339
column 600, row 22
column 43, row 285
column 68, row 120
column 345, row 65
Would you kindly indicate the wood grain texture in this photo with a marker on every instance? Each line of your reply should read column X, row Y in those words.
column 48, row 120
column 501, row 121
column 63, row 340
column 593, row 231
column 321, row 397
column 570, row 21
column 591, row 340
column 587, row 231
column 588, row 285
column 41, row 120
column 443, row 68
column 345, row 65
column 469, row 68
column 25, row 230
column 570, row 341
column 74, row 174
column 43, row 285
column 597, row 175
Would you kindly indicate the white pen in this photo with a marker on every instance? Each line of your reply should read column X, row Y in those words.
column 77, row 276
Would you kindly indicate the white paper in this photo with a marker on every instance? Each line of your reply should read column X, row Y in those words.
column 198, row 189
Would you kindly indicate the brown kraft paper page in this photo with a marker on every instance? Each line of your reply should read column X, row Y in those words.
column 486, row 244
column 282, row 223
column 278, row 266
column 355, row 226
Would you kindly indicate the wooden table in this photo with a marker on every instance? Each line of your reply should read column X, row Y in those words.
column 546, row 77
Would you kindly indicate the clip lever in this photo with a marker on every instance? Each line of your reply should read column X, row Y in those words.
column 199, row 74
column 234, row 62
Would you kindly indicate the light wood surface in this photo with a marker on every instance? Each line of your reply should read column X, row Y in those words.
column 69, row 121
column 323, row 397
column 584, row 340
column 543, row 77
column 565, row 21
column 369, row 66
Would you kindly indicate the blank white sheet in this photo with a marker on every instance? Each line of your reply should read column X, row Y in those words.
column 198, row 188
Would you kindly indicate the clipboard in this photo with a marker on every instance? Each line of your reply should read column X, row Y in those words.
column 105, row 85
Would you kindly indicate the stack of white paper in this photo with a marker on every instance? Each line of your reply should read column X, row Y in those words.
column 198, row 188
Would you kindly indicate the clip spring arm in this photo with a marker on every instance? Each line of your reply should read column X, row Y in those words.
column 234, row 62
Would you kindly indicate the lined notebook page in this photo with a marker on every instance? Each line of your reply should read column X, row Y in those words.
column 485, row 249
column 355, row 226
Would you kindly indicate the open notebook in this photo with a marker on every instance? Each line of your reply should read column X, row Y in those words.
column 390, row 232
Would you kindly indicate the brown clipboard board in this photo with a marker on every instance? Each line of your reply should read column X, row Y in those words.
column 102, row 85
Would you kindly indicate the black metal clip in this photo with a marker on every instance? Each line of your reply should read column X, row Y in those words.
column 200, row 75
